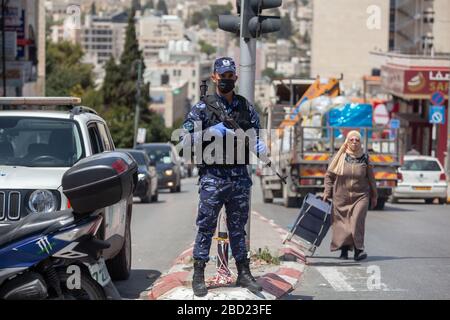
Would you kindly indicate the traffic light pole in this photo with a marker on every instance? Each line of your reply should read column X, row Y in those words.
column 250, row 26
column 247, row 70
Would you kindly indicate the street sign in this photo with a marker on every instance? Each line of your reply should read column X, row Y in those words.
column 13, row 13
column 10, row 45
column 395, row 123
column 438, row 98
column 142, row 132
column 437, row 115
column 381, row 114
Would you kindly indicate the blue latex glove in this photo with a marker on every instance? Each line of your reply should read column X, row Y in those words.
column 220, row 129
column 261, row 147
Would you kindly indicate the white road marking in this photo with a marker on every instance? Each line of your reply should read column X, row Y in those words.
column 335, row 278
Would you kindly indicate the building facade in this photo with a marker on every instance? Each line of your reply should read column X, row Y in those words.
column 155, row 32
column 104, row 36
column 342, row 44
column 24, row 42
column 170, row 101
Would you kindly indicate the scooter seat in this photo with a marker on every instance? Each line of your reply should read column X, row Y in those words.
column 32, row 224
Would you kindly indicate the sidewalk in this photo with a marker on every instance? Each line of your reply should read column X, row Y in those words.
column 276, row 279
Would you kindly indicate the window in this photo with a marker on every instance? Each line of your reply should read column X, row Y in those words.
column 39, row 142
column 105, row 137
column 193, row 73
column 94, row 136
column 421, row 165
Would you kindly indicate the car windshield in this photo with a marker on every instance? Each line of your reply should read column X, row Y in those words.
column 39, row 142
column 139, row 157
column 421, row 165
column 160, row 154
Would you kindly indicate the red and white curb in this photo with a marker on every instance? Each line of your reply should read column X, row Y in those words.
column 174, row 285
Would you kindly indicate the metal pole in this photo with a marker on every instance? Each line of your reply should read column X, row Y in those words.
column 4, row 47
column 433, row 137
column 247, row 88
column 138, row 99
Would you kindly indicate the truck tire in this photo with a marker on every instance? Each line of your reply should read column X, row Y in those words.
column 442, row 200
column 267, row 200
column 119, row 267
column 290, row 202
column 429, row 201
column 380, row 204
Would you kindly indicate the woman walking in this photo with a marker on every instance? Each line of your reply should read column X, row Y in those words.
column 350, row 183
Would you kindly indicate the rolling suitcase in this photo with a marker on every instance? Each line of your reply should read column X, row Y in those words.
column 312, row 223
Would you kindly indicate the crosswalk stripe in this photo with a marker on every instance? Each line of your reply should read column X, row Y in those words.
column 335, row 278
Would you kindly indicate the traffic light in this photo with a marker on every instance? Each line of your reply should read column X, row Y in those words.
column 253, row 23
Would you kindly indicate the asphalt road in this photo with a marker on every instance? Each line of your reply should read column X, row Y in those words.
column 408, row 248
column 407, row 243
column 160, row 232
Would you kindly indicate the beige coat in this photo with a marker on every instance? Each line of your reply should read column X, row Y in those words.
column 351, row 195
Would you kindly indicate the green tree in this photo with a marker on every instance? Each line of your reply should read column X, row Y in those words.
column 162, row 6
column 66, row 74
column 93, row 10
column 271, row 74
column 286, row 27
column 149, row 5
column 196, row 18
column 207, row 48
column 119, row 93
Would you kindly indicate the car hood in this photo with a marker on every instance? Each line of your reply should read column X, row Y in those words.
column 30, row 178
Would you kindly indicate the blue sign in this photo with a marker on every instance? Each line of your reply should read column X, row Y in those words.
column 437, row 115
column 395, row 124
column 438, row 98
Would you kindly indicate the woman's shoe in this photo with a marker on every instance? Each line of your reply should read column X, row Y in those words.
column 344, row 253
column 360, row 255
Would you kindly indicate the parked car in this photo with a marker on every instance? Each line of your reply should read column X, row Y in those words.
column 168, row 164
column 421, row 177
column 40, row 139
column 147, row 185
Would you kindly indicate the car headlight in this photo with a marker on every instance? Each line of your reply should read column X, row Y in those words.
column 42, row 201
column 141, row 176
column 168, row 172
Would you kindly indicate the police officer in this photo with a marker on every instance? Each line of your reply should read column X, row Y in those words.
column 223, row 183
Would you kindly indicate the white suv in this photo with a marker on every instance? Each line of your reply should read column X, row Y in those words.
column 38, row 144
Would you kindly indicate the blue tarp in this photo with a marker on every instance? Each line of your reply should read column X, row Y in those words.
column 350, row 115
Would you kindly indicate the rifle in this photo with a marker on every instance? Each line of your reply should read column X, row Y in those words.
column 230, row 123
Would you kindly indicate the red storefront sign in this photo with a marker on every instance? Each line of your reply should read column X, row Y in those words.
column 415, row 83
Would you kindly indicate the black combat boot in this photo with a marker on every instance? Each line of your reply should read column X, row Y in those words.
column 245, row 278
column 344, row 253
column 198, row 279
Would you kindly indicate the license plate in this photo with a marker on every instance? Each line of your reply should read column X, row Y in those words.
column 99, row 272
column 422, row 188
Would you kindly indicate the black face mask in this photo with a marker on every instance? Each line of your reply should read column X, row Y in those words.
column 226, row 85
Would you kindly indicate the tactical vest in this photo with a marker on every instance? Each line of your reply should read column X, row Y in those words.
column 241, row 115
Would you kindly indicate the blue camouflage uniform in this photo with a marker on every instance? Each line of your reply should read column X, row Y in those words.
column 228, row 186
